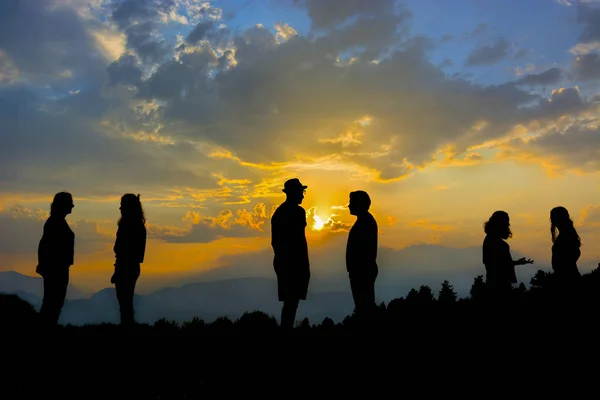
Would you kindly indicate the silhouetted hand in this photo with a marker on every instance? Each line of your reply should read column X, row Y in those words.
column 523, row 261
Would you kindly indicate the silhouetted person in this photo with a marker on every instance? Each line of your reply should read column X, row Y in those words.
column 291, row 263
column 55, row 257
column 499, row 265
column 361, row 253
column 129, row 248
column 565, row 251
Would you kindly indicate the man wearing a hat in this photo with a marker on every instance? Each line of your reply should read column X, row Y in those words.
column 288, row 239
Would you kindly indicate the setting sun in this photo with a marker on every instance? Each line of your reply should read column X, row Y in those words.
column 319, row 223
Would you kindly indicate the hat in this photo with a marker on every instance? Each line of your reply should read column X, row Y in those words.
column 293, row 184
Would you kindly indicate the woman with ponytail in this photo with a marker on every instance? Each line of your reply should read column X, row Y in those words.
column 130, row 247
column 566, row 246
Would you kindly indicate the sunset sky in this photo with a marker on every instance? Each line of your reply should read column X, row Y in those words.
column 443, row 111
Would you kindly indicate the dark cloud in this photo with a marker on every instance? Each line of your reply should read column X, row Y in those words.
column 202, row 31
column 589, row 16
column 47, row 142
column 447, row 38
column 44, row 42
column 328, row 14
column 587, row 66
column 139, row 20
column 489, row 54
column 521, row 53
column 548, row 77
column 575, row 147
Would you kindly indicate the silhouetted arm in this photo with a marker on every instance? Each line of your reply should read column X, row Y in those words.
column 43, row 247
column 276, row 239
column 303, row 258
column 142, row 249
column 522, row 261
column 372, row 241
column 278, row 242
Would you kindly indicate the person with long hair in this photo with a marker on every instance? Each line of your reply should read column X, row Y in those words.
column 56, row 251
column 565, row 247
column 129, row 248
column 499, row 265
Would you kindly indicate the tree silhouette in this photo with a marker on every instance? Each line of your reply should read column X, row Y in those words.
column 447, row 295
column 540, row 279
column 538, row 301
column 478, row 287
column 426, row 295
column 412, row 296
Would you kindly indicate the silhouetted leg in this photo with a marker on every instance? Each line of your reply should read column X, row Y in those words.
column 125, row 289
column 370, row 296
column 357, row 285
column 288, row 313
column 55, row 291
column 363, row 292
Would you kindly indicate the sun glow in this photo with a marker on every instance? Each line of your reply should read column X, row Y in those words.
column 319, row 223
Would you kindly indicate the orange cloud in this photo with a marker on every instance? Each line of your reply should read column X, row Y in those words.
column 590, row 216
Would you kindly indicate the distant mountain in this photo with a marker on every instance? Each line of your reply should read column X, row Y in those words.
column 227, row 292
column 399, row 270
column 206, row 300
column 12, row 282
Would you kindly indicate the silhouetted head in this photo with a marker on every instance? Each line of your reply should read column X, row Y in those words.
column 498, row 225
column 131, row 208
column 294, row 190
column 62, row 204
column 359, row 202
column 561, row 220
column 559, row 216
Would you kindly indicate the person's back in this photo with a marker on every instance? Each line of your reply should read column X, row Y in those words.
column 288, row 238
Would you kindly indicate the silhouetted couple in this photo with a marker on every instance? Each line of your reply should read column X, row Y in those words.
column 500, row 267
column 56, row 255
column 291, row 261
